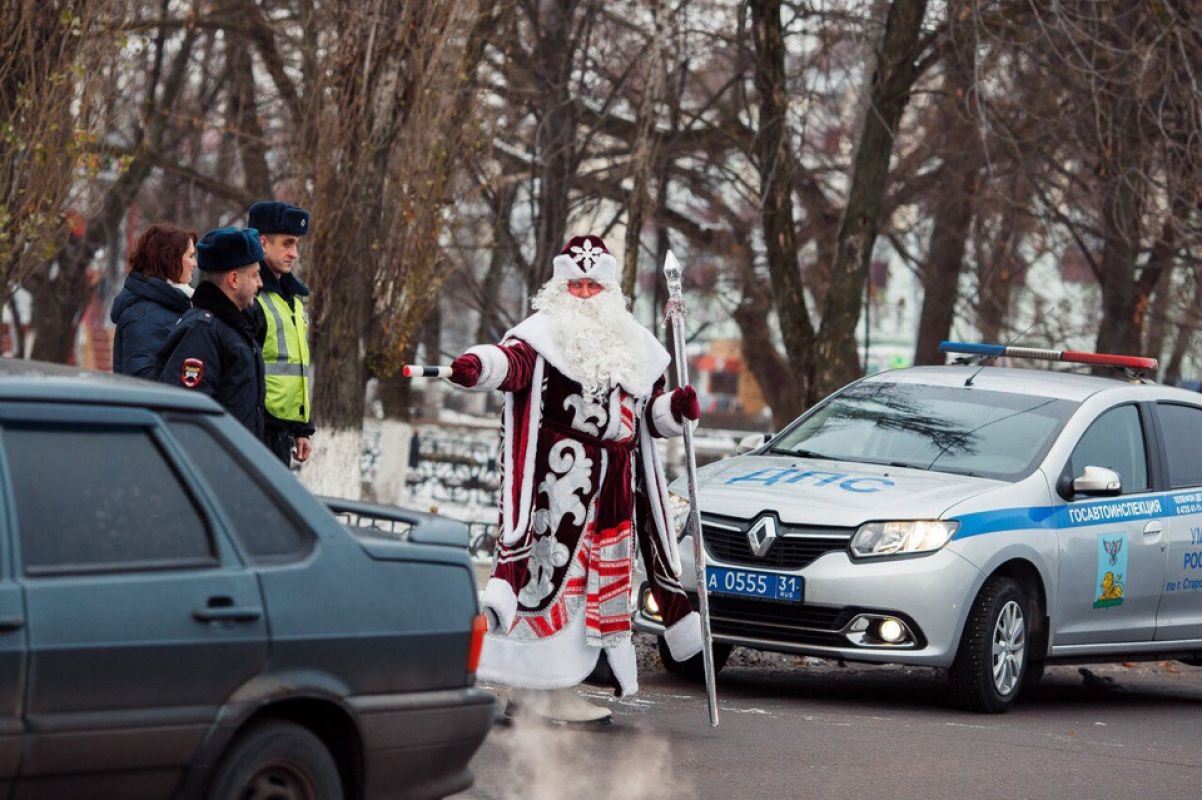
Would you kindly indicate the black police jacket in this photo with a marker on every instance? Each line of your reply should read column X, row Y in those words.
column 213, row 350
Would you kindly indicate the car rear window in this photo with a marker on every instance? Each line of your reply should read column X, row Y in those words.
column 92, row 499
column 962, row 430
column 266, row 531
column 1181, row 426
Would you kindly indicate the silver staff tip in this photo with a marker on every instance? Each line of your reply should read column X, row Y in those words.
column 671, row 267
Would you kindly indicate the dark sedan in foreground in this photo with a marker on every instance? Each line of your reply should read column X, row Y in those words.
column 179, row 617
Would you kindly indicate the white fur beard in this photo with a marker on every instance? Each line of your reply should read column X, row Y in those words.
column 594, row 335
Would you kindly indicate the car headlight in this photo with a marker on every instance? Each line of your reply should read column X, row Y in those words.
column 902, row 537
column 678, row 512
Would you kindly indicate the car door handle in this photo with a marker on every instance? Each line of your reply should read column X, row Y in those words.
column 1153, row 529
column 228, row 613
column 11, row 624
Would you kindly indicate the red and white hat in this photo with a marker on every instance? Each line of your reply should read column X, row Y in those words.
column 586, row 257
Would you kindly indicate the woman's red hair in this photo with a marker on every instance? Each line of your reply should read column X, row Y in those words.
column 160, row 250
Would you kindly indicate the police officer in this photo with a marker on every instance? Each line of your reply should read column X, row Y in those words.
column 282, row 329
column 213, row 349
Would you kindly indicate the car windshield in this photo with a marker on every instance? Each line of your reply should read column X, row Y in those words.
column 963, row 430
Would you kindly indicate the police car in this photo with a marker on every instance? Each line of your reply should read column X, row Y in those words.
column 982, row 519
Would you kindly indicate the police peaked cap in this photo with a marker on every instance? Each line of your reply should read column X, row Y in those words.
column 272, row 216
column 229, row 248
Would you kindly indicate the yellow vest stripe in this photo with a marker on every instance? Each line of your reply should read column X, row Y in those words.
column 281, row 333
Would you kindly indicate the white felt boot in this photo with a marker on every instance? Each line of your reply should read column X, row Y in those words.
column 561, row 706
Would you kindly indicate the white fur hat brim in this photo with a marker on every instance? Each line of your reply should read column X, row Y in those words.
column 605, row 268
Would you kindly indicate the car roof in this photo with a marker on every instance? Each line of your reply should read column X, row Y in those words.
column 43, row 382
column 1040, row 382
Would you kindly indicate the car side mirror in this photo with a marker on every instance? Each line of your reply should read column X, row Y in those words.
column 752, row 441
column 1098, row 481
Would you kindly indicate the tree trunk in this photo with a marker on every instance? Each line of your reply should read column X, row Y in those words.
column 252, row 145
column 396, row 391
column 1155, row 282
column 769, row 368
column 499, row 258
column 773, row 158
column 555, row 141
column 1185, row 335
column 1119, row 330
column 891, row 83
column 954, row 202
column 59, row 302
column 642, row 160
column 1000, row 268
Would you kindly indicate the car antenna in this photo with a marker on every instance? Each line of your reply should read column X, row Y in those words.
column 985, row 360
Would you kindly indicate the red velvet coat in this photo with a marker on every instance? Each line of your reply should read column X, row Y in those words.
column 582, row 484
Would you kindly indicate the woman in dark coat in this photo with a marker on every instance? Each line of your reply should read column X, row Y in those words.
column 155, row 296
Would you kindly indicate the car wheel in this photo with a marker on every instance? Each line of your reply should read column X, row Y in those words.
column 277, row 760
column 991, row 662
column 694, row 668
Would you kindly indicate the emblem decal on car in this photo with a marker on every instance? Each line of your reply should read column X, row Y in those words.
column 1112, row 571
column 762, row 535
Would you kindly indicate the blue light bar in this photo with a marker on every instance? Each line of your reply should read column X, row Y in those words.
column 972, row 348
column 1070, row 356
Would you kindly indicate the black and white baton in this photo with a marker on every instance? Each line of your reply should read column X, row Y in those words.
column 419, row 371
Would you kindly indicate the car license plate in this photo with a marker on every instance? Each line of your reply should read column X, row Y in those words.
column 745, row 583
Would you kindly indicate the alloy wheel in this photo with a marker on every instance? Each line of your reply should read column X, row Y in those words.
column 1009, row 644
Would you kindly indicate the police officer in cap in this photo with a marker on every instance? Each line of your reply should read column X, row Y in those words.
column 282, row 329
column 213, row 349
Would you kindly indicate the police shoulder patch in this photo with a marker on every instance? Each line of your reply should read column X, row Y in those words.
column 192, row 372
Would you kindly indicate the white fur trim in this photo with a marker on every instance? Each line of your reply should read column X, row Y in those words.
column 661, row 415
column 684, row 638
column 536, row 331
column 499, row 596
column 624, row 664
column 558, row 662
column 513, row 533
column 566, row 267
column 657, row 498
column 494, row 367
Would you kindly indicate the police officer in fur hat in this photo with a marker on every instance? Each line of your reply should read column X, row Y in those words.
column 282, row 329
column 213, row 348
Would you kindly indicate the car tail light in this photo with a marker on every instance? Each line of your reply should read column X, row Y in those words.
column 479, row 626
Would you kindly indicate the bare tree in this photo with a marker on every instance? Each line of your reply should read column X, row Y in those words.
column 51, row 57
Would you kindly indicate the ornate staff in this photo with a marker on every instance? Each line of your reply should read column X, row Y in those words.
column 675, row 314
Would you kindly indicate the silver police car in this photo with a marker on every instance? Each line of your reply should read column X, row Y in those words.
column 981, row 519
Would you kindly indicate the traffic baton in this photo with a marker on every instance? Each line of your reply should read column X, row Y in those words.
column 419, row 371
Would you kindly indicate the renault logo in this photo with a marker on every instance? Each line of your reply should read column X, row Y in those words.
column 762, row 535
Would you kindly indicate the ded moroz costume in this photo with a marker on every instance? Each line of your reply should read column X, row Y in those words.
column 584, row 399
column 212, row 349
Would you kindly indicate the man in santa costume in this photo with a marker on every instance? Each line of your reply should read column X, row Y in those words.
column 584, row 400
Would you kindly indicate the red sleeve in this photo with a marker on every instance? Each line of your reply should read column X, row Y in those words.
column 521, row 358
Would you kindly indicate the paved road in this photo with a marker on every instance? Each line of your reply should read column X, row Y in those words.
column 821, row 731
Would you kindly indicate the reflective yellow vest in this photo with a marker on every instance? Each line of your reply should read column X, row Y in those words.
column 286, row 357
